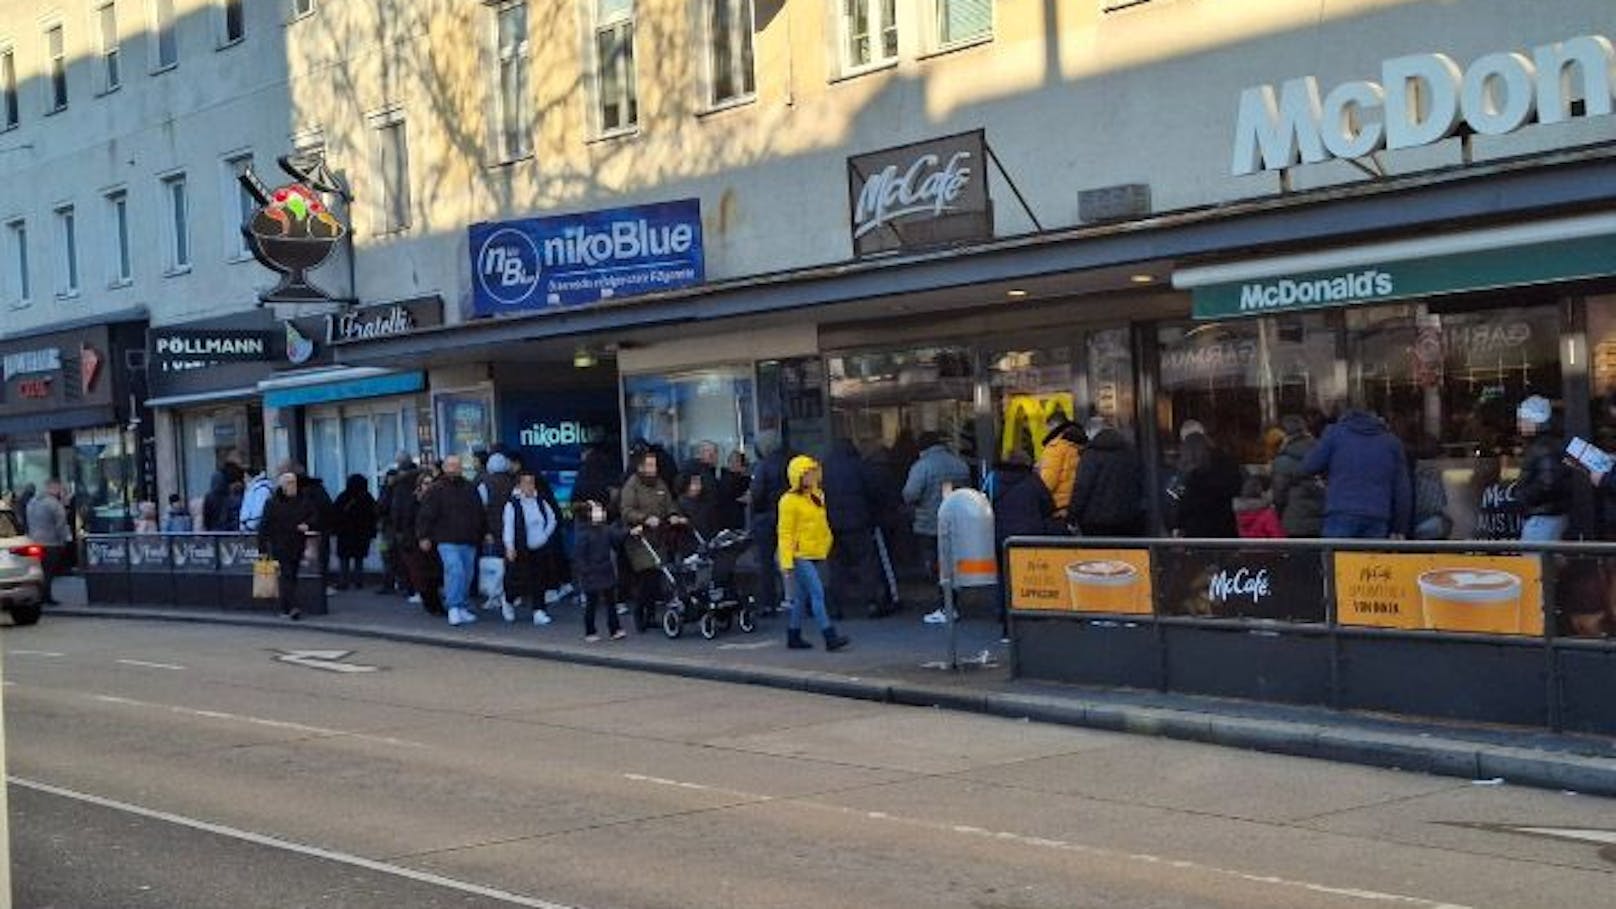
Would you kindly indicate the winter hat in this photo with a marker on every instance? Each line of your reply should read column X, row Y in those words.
column 498, row 463
column 1534, row 410
column 1191, row 428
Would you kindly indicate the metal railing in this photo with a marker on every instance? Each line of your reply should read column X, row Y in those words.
column 201, row 570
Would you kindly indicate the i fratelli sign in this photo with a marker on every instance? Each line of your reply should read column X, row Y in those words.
column 1422, row 99
column 931, row 193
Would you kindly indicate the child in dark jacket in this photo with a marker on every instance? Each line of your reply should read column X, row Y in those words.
column 594, row 567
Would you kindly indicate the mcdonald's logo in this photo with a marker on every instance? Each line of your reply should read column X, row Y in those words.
column 1032, row 412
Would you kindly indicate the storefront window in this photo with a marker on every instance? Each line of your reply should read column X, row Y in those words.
column 208, row 439
column 889, row 398
column 791, row 401
column 465, row 425
column 1109, row 392
column 99, row 469
column 1028, row 386
column 680, row 411
column 25, row 464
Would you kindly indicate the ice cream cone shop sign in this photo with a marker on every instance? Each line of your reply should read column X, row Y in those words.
column 1422, row 99
column 293, row 230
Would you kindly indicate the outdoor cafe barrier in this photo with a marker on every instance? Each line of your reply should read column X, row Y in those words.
column 198, row 570
column 1507, row 632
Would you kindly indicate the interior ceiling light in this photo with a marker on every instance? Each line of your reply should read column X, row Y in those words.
column 1015, row 292
column 1142, row 279
column 583, row 358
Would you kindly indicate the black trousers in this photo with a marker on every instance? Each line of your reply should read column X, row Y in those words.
column 51, row 564
column 288, row 584
column 600, row 599
column 853, row 568
column 648, row 590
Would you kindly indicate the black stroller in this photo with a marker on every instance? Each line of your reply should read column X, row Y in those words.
column 699, row 588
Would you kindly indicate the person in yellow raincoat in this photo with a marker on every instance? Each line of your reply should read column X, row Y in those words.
column 804, row 543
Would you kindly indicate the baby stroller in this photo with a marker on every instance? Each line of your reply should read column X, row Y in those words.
column 694, row 593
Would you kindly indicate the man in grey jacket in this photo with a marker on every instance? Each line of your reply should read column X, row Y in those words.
column 936, row 469
column 47, row 526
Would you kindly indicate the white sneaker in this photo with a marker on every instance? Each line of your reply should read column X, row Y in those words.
column 540, row 617
column 935, row 617
column 622, row 609
column 467, row 617
column 508, row 612
column 493, row 602
column 558, row 594
column 456, row 617
column 413, row 599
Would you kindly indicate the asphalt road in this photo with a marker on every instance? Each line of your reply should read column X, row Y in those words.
column 180, row 766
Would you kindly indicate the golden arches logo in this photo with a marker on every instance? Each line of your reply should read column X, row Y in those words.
column 1032, row 412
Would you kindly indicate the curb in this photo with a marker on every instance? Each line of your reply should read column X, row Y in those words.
column 1420, row 753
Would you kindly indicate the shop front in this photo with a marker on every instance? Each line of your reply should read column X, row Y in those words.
column 72, row 410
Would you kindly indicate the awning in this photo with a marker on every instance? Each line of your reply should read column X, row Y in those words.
column 53, row 420
column 204, row 397
column 340, row 384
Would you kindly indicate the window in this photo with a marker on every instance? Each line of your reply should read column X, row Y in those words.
column 240, row 213
column 58, row 67
column 8, row 89
column 67, row 234
column 17, row 233
column 514, row 129
column 118, row 217
column 869, row 32
column 614, row 62
column 166, row 42
column 729, row 44
column 394, row 161
column 179, row 231
column 302, row 8
column 107, row 24
column 963, row 20
column 235, row 23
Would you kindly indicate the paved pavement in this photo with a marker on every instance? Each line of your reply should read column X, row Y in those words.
column 195, row 765
column 899, row 659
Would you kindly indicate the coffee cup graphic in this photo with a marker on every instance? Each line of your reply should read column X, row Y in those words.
column 1471, row 599
column 1105, row 585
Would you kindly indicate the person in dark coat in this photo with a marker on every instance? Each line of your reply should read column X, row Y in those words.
column 354, row 525
column 213, row 503
column 594, row 566
column 422, row 567
column 767, row 486
column 402, row 505
column 1022, row 506
column 598, row 478
column 453, row 521
column 1210, row 481
column 698, row 503
column 1298, row 498
column 288, row 517
column 733, row 482
column 1368, row 492
column 528, row 522
column 851, row 489
column 1108, row 498
column 1544, row 490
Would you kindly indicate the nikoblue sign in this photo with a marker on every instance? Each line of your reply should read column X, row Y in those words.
column 571, row 260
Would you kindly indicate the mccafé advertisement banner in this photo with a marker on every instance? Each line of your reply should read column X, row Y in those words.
column 1282, row 586
column 1106, row 581
column 1440, row 592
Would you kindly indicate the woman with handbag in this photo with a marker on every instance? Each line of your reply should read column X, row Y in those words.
column 288, row 518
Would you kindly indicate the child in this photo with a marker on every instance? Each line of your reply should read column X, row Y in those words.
column 178, row 518
column 1254, row 511
column 594, row 568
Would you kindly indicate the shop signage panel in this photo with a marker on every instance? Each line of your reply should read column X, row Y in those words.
column 931, row 193
column 573, row 260
column 1565, row 260
column 1500, row 594
column 1078, row 579
column 551, row 430
column 55, row 371
column 1242, row 584
column 387, row 320
column 185, row 349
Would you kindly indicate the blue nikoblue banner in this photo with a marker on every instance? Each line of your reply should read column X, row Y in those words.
column 571, row 260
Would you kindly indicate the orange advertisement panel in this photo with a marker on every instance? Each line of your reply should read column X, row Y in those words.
column 1440, row 592
column 1062, row 579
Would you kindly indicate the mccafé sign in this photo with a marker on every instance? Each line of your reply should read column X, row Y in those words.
column 1421, row 99
column 926, row 194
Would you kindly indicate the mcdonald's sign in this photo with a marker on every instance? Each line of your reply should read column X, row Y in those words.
column 1032, row 412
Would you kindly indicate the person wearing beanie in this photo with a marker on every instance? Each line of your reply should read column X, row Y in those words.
column 1544, row 490
column 804, row 541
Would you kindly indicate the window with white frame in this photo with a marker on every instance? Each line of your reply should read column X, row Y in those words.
column 106, row 20
column 8, row 89
column 176, row 203
column 869, row 32
column 232, row 22
column 729, row 50
column 393, row 165
column 514, row 106
column 302, row 8
column 959, row 21
column 618, row 108
column 17, row 239
column 241, row 212
column 67, row 235
column 122, row 270
column 165, row 43
column 56, row 51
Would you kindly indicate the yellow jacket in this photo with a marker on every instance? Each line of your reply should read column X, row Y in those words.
column 1058, row 469
column 803, row 529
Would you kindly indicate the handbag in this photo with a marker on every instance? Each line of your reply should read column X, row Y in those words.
column 491, row 576
column 266, row 579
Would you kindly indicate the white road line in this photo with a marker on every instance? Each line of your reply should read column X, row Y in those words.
column 38, row 653
column 147, row 665
column 253, row 720
column 760, row 645
column 515, row 899
column 1372, row 896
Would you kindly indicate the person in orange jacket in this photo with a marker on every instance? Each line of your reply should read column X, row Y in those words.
column 1057, row 467
column 804, row 536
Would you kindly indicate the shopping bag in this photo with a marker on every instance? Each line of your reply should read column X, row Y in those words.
column 266, row 579
column 491, row 576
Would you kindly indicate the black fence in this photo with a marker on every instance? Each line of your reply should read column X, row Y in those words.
column 202, row 570
column 1510, row 632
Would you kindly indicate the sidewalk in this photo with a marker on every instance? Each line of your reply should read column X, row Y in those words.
column 901, row 660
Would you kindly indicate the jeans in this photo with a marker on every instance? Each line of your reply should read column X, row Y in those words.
column 1355, row 527
column 459, row 570
column 810, row 592
column 1543, row 528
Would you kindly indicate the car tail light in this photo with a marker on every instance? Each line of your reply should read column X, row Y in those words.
column 31, row 551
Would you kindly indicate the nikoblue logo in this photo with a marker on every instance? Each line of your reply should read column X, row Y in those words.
column 508, row 266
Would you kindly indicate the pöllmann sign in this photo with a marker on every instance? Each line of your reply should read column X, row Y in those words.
column 1422, row 99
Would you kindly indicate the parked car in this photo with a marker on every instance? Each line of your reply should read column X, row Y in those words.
column 22, row 579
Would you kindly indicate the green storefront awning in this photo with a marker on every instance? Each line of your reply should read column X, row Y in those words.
column 1516, row 266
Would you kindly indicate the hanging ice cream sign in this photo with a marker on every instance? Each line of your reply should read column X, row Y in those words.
column 1422, row 99
column 293, row 231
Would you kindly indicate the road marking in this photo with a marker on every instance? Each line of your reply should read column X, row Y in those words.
column 329, row 660
column 38, row 653
column 1372, row 896
column 253, row 720
column 1575, row 834
column 147, row 665
column 260, row 839
column 760, row 645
